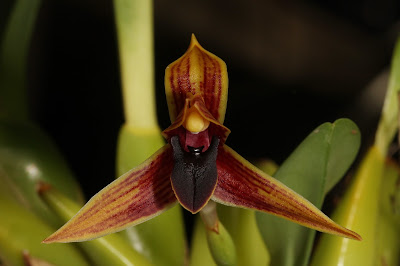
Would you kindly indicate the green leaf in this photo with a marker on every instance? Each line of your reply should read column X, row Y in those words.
column 343, row 144
column 366, row 205
column 358, row 210
column 200, row 253
column 13, row 56
column 21, row 230
column 312, row 169
column 108, row 250
column 28, row 156
column 389, row 123
column 388, row 225
column 242, row 226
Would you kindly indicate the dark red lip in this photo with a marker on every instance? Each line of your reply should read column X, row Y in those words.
column 194, row 175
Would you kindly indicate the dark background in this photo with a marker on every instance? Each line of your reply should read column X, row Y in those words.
column 292, row 66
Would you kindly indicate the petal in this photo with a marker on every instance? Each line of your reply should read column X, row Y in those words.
column 196, row 101
column 194, row 176
column 241, row 184
column 137, row 196
column 198, row 72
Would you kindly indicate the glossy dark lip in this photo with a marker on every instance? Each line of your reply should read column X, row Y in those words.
column 194, row 175
column 195, row 150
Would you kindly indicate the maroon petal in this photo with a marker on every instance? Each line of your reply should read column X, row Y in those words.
column 196, row 101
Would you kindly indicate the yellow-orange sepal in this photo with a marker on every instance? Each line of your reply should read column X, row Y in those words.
column 241, row 184
column 135, row 197
column 198, row 72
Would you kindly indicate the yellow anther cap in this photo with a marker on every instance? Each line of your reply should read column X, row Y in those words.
column 194, row 122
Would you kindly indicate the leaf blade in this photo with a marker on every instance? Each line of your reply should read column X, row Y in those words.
column 312, row 169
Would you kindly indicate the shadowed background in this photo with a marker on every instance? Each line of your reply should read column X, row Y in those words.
column 291, row 65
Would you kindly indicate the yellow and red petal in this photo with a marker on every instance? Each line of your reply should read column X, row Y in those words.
column 136, row 196
column 196, row 101
column 197, row 72
column 241, row 184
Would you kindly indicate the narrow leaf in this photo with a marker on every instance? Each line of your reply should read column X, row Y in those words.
column 135, row 197
column 27, row 156
column 388, row 122
column 388, row 226
column 14, row 50
column 359, row 210
column 100, row 251
column 22, row 230
column 200, row 253
column 242, row 226
column 32, row 261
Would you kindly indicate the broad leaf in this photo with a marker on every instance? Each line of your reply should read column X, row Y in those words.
column 311, row 170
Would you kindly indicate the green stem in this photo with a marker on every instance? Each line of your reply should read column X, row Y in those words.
column 161, row 239
column 134, row 21
column 219, row 241
column 107, row 250
column 13, row 56
column 388, row 123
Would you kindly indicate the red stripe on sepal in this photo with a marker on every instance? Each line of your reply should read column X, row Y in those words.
column 133, row 198
column 198, row 72
column 241, row 184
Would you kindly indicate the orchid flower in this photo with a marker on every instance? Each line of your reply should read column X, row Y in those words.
column 194, row 167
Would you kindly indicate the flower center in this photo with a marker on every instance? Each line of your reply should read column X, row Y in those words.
column 195, row 122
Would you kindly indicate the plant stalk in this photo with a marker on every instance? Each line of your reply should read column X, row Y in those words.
column 13, row 59
column 134, row 21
